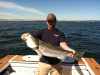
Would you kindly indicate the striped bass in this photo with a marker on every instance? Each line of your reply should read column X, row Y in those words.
column 43, row 48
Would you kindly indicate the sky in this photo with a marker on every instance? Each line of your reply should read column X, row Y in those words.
column 39, row 9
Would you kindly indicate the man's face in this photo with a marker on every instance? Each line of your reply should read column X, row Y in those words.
column 51, row 24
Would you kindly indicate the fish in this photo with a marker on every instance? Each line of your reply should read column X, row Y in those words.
column 46, row 49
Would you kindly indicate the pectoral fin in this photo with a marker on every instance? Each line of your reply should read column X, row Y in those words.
column 39, row 53
column 61, row 58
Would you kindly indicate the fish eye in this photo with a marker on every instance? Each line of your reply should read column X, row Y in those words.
column 26, row 35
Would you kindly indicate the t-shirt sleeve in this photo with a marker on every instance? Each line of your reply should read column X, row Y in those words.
column 62, row 38
column 38, row 34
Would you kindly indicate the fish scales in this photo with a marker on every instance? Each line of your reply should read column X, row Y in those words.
column 48, row 49
column 44, row 49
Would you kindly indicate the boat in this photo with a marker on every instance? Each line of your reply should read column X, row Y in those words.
column 27, row 65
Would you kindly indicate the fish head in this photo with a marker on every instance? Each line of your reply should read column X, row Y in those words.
column 31, row 40
column 25, row 36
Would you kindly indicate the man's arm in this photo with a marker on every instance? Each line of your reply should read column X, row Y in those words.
column 66, row 47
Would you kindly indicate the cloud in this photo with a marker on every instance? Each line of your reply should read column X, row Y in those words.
column 4, row 13
column 11, row 5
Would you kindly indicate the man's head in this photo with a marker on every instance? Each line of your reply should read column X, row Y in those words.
column 51, row 17
column 51, row 21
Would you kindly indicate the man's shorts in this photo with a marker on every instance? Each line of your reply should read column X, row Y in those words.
column 44, row 69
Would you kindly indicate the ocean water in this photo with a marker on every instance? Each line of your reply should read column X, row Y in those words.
column 80, row 36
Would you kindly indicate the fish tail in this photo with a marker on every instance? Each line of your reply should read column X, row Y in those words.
column 78, row 56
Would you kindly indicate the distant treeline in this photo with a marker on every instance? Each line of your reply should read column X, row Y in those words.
column 42, row 20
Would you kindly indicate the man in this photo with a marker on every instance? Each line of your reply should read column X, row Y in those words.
column 56, row 38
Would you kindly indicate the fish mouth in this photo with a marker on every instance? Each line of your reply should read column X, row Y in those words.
column 25, row 36
column 24, row 39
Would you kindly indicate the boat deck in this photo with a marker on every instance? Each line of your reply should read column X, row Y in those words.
column 88, row 66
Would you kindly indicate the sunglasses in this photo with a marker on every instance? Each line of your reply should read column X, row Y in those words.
column 50, row 21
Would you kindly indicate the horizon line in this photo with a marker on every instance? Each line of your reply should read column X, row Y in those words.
column 40, row 20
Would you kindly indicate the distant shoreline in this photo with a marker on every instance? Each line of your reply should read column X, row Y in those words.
column 45, row 20
column 22, row 20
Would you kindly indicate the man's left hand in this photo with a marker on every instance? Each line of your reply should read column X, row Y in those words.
column 71, row 55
